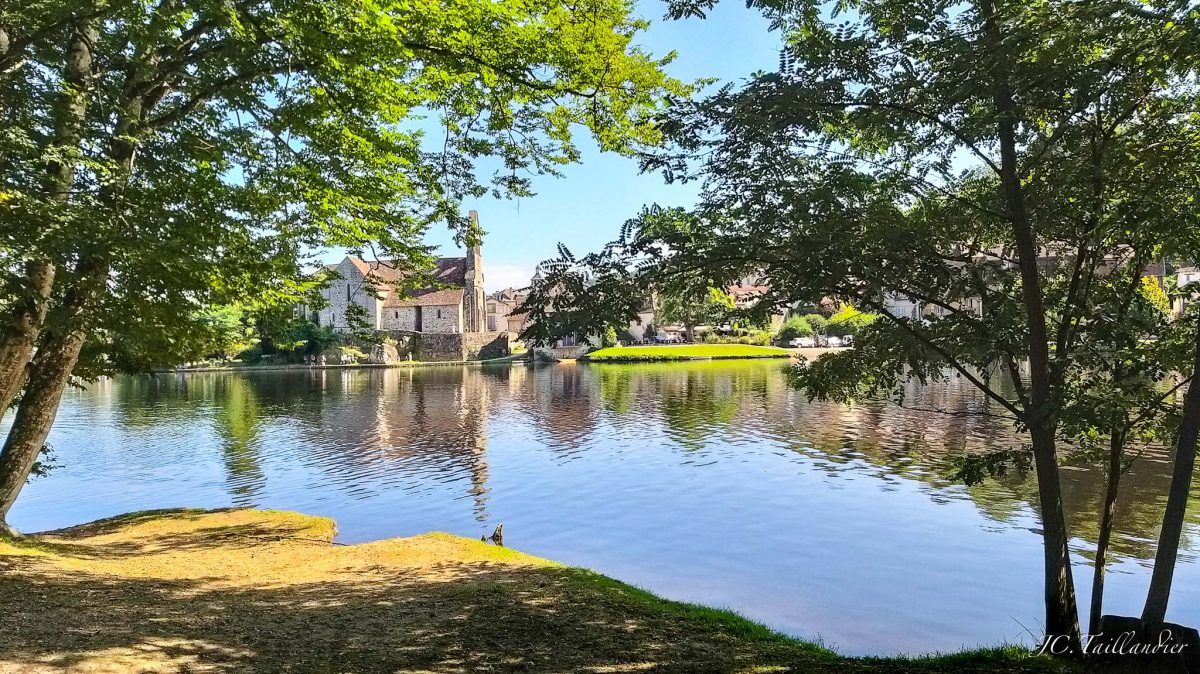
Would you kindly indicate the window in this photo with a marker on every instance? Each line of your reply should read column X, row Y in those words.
column 439, row 313
column 347, row 293
column 397, row 315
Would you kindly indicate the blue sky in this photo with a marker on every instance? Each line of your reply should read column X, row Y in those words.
column 586, row 207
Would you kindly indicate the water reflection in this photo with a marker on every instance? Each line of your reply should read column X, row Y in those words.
column 711, row 482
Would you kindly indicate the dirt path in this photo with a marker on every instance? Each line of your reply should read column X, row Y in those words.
column 259, row 591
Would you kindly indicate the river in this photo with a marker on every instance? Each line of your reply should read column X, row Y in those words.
column 711, row 482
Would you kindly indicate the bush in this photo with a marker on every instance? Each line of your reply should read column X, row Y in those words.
column 848, row 321
column 793, row 327
column 818, row 323
column 753, row 337
column 252, row 356
column 355, row 354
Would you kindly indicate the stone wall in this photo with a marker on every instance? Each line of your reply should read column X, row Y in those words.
column 439, row 348
column 432, row 347
column 485, row 345
column 352, row 287
column 440, row 318
column 399, row 318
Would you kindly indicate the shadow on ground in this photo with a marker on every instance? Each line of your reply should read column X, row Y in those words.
column 240, row 591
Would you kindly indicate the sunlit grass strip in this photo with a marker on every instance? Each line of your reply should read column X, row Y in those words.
column 685, row 352
column 253, row 588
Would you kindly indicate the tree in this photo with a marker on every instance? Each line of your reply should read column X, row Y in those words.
column 995, row 160
column 164, row 157
column 793, row 327
column 692, row 307
column 818, row 322
column 227, row 330
column 848, row 321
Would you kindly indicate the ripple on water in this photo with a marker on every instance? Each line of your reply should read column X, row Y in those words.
column 710, row 482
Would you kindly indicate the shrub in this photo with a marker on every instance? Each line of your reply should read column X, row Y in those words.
column 818, row 323
column 793, row 327
column 251, row 356
column 354, row 353
column 848, row 321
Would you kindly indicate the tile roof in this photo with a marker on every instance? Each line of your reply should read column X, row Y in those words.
column 426, row 297
column 447, row 271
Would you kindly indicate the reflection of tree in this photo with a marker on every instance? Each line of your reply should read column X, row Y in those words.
column 705, row 403
column 698, row 404
column 562, row 404
column 408, row 428
column 237, row 424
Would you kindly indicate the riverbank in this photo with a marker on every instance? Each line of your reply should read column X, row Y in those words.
column 515, row 358
column 640, row 354
column 266, row 591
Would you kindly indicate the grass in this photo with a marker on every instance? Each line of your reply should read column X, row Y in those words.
column 267, row 591
column 685, row 352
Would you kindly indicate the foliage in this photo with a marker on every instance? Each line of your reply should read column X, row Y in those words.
column 609, row 337
column 1013, row 165
column 228, row 333
column 685, row 352
column 692, row 307
column 848, row 321
column 221, row 141
column 793, row 327
column 818, row 323
column 1156, row 295
column 356, row 354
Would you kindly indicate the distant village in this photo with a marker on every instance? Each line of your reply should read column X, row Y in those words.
column 456, row 304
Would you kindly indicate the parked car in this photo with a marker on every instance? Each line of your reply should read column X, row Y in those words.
column 848, row 340
column 802, row 343
column 835, row 342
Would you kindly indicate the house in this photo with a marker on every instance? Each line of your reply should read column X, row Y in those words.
column 454, row 305
column 499, row 311
column 1185, row 276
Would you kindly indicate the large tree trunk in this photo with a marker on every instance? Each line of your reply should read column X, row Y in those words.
column 57, row 354
column 1155, row 610
column 1116, row 450
column 26, row 315
column 21, row 333
column 1062, row 613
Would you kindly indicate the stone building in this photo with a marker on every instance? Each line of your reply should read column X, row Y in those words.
column 455, row 305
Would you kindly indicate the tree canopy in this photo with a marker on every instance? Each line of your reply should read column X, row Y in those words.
column 158, row 158
column 1015, row 166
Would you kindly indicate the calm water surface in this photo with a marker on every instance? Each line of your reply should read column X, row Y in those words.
column 707, row 482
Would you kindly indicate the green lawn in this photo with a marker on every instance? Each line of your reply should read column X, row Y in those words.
column 685, row 352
